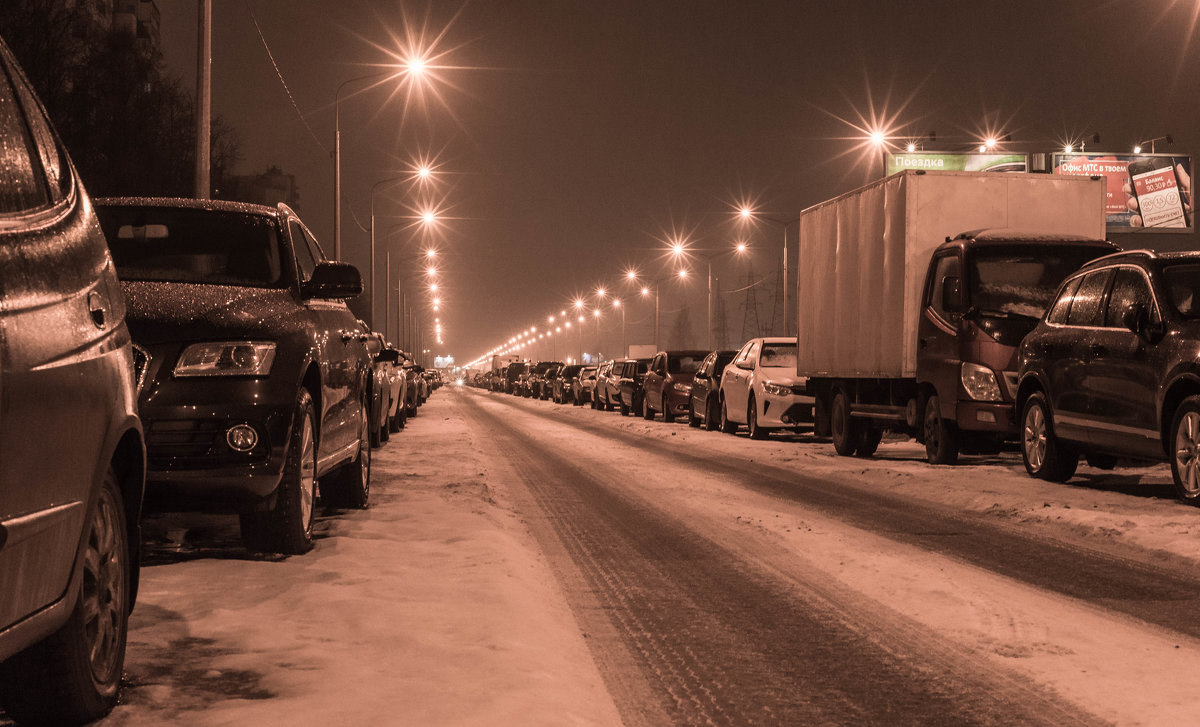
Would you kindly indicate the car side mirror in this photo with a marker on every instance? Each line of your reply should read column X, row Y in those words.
column 747, row 365
column 333, row 279
column 1135, row 317
column 952, row 294
column 700, row 375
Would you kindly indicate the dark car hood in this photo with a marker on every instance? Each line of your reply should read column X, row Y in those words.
column 169, row 311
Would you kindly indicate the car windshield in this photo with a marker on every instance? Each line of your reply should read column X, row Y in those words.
column 176, row 245
column 1020, row 281
column 778, row 355
column 1183, row 288
column 684, row 364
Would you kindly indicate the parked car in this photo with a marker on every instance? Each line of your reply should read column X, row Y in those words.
column 258, row 378
column 397, row 377
column 73, row 466
column 704, row 400
column 629, row 376
column 760, row 389
column 562, row 386
column 1111, row 371
column 513, row 376
column 412, row 391
column 378, row 387
column 583, row 385
column 604, row 393
column 668, row 383
column 537, row 384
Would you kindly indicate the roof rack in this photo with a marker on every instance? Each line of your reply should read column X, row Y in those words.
column 1147, row 253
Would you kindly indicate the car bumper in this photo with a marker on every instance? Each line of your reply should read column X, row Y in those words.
column 786, row 411
column 986, row 416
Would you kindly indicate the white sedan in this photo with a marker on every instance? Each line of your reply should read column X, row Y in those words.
column 760, row 389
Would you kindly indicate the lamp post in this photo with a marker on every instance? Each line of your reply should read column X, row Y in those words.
column 739, row 249
column 624, row 341
column 747, row 214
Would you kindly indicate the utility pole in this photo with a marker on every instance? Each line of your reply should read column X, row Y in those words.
column 204, row 101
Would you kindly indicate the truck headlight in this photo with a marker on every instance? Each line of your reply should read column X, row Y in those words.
column 227, row 358
column 776, row 389
column 980, row 382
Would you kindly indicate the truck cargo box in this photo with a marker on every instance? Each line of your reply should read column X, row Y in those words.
column 863, row 257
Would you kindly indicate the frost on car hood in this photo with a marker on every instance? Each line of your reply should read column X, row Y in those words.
column 170, row 311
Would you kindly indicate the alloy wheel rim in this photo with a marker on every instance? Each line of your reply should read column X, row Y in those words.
column 103, row 592
column 308, row 472
column 1187, row 448
column 1035, row 437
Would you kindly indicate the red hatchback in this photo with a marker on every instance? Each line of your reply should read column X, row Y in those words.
column 669, row 383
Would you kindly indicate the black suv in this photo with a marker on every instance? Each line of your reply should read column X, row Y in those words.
column 71, row 453
column 630, row 377
column 1111, row 370
column 258, row 378
column 539, row 383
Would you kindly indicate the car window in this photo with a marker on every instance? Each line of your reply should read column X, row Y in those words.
column 304, row 256
column 1062, row 306
column 747, row 353
column 684, row 364
column 1088, row 304
column 1129, row 287
column 947, row 266
column 184, row 245
column 22, row 186
column 1182, row 282
column 778, row 355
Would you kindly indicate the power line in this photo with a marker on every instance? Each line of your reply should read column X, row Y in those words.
column 282, row 82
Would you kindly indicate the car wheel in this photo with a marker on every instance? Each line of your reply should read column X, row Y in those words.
column 756, row 432
column 1185, row 457
column 647, row 412
column 384, row 433
column 74, row 675
column 668, row 417
column 692, row 419
column 394, row 425
column 350, row 485
column 624, row 409
column 712, row 414
column 941, row 436
column 843, row 429
column 287, row 527
column 1045, row 457
column 596, row 403
column 727, row 426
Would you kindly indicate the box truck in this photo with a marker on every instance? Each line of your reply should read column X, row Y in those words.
column 914, row 292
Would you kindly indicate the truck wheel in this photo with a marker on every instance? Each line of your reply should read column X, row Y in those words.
column 73, row 676
column 727, row 426
column 941, row 436
column 844, row 430
column 868, row 440
column 349, row 486
column 1185, row 457
column 668, row 417
column 287, row 527
column 1045, row 457
column 756, row 432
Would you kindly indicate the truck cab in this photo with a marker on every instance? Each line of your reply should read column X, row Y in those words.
column 984, row 291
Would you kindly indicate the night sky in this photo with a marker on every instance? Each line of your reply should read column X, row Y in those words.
column 574, row 137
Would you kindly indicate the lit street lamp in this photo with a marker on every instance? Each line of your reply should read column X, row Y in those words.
column 748, row 214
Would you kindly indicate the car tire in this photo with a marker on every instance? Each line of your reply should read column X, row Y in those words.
column 843, row 428
column 692, row 419
column 727, row 426
column 349, row 486
column 74, row 675
column 287, row 527
column 384, row 433
column 647, row 412
column 941, row 436
column 1044, row 456
column 624, row 409
column 1185, row 451
column 712, row 414
column 756, row 432
column 668, row 417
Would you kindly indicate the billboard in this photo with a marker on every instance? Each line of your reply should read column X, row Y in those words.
column 956, row 161
column 1151, row 192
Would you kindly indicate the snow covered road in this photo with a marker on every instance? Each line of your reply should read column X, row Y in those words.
column 524, row 563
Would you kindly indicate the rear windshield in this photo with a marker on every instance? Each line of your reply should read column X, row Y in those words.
column 193, row 246
column 1183, row 288
column 778, row 355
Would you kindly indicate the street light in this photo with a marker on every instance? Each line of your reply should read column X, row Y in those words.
column 738, row 249
column 624, row 342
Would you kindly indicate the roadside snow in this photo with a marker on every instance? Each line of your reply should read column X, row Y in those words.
column 433, row 607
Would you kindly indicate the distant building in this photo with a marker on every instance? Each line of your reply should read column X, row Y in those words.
column 270, row 188
column 139, row 18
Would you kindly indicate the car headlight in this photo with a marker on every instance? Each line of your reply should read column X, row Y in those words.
column 980, row 382
column 776, row 389
column 682, row 387
column 227, row 358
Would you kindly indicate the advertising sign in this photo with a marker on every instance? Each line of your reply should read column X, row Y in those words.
column 956, row 161
column 1142, row 191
